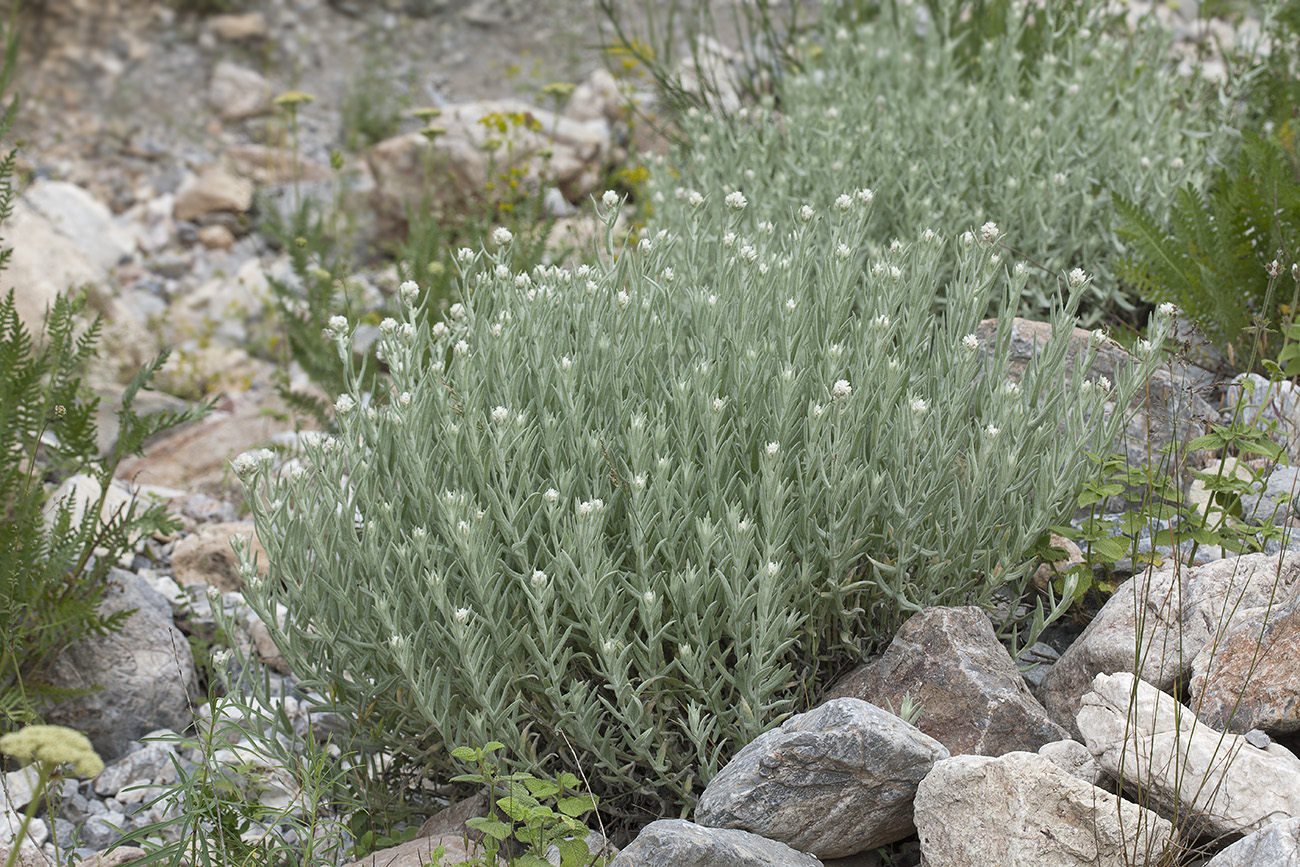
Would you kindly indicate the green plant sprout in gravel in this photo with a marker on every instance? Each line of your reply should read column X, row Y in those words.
column 528, row 820
column 702, row 499
column 50, row 749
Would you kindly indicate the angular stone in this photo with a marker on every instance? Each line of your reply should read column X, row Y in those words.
column 973, row 698
column 45, row 263
column 146, row 671
column 832, row 782
column 451, row 819
column 419, row 852
column 1179, row 611
column 206, row 557
column 237, row 92
column 83, row 219
column 116, row 858
column 1275, row 845
column 216, row 189
column 677, row 843
column 1073, row 758
column 1020, row 808
column 1250, row 679
column 1219, row 783
column 81, row 491
column 140, row 766
column 197, row 457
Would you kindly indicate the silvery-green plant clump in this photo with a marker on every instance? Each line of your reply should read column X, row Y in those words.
column 952, row 140
column 653, row 515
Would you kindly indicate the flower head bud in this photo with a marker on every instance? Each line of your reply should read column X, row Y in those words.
column 736, row 201
column 501, row 236
column 53, row 746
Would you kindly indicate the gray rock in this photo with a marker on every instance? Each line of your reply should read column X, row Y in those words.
column 146, row 671
column 1177, row 611
column 1022, row 809
column 973, row 698
column 833, row 782
column 1216, row 783
column 104, row 830
column 143, row 764
column 677, row 843
column 1073, row 758
column 1249, row 679
column 1275, row 845
column 83, row 219
column 237, row 92
column 1035, row 661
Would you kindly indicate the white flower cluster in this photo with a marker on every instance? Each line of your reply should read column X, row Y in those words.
column 588, row 507
column 250, row 461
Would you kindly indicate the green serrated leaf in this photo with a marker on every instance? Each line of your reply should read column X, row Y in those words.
column 494, row 828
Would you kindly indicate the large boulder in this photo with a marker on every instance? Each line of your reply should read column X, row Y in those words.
column 677, row 843
column 972, row 696
column 1168, row 617
column 1250, row 678
column 1276, row 845
column 835, row 781
column 1217, row 783
column 146, row 672
column 1021, row 808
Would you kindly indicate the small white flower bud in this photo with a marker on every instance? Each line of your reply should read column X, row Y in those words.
column 501, row 236
column 736, row 201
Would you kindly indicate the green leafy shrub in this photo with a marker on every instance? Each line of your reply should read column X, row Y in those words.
column 952, row 133
column 653, row 516
column 1228, row 255
column 53, row 562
